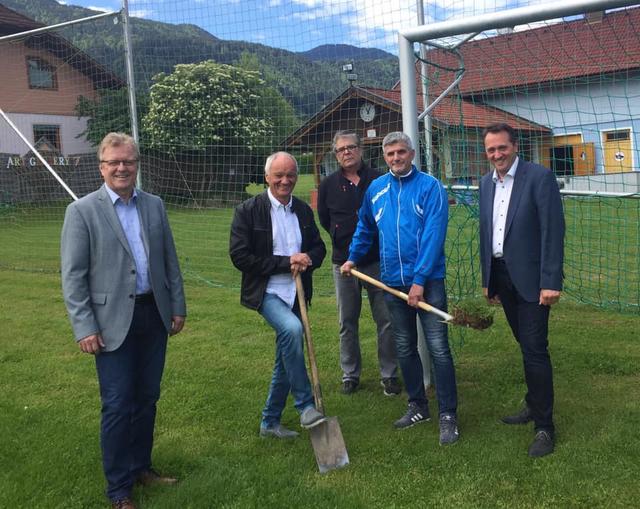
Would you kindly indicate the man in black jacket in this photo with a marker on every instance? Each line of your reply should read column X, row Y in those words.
column 273, row 239
column 339, row 198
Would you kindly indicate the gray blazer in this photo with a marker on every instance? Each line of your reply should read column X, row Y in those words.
column 98, row 268
column 534, row 234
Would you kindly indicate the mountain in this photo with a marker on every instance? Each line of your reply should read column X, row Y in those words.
column 335, row 52
column 308, row 80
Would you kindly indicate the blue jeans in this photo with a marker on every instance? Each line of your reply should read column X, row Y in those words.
column 404, row 323
column 289, row 370
column 129, row 380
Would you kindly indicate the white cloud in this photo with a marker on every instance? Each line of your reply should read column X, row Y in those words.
column 99, row 9
column 141, row 13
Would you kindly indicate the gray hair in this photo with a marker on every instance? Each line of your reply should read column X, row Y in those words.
column 397, row 137
column 274, row 156
column 117, row 140
column 347, row 133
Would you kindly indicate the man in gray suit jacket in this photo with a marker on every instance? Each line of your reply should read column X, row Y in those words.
column 123, row 292
column 521, row 253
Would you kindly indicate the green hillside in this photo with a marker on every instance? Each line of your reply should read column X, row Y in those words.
column 307, row 84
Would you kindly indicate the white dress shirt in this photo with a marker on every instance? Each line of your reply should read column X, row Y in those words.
column 287, row 241
column 500, row 207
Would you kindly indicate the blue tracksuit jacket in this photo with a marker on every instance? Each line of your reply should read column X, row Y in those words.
column 409, row 215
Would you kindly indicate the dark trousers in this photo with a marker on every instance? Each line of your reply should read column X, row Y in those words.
column 529, row 322
column 129, row 380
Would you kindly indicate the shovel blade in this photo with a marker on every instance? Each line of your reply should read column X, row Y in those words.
column 328, row 445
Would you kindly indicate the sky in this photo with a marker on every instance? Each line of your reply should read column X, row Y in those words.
column 300, row 25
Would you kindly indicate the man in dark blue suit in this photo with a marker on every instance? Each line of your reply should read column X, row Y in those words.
column 521, row 253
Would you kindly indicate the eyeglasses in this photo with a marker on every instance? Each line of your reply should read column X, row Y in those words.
column 115, row 163
column 350, row 148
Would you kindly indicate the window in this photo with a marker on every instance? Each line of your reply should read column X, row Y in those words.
column 618, row 135
column 41, row 74
column 48, row 133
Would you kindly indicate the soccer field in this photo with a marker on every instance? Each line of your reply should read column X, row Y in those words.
column 216, row 380
column 601, row 246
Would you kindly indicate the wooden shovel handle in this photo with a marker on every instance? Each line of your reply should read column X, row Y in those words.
column 422, row 305
column 315, row 379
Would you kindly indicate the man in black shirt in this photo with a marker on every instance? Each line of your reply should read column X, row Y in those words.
column 339, row 198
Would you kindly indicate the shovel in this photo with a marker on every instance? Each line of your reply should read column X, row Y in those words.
column 422, row 305
column 326, row 437
column 469, row 316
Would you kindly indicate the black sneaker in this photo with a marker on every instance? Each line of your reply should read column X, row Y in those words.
column 391, row 386
column 415, row 414
column 543, row 444
column 349, row 386
column 448, row 429
column 522, row 417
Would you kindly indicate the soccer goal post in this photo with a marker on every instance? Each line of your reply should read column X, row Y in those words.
column 566, row 76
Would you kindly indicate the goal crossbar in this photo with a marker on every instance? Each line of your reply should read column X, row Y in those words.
column 477, row 24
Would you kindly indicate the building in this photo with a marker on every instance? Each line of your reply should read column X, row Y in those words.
column 571, row 90
column 44, row 76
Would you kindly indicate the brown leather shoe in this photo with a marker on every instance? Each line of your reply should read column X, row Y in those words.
column 149, row 477
column 123, row 503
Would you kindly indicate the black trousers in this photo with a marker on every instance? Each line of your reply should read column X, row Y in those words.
column 529, row 322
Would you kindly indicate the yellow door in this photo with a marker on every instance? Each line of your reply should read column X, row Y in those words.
column 617, row 151
column 584, row 159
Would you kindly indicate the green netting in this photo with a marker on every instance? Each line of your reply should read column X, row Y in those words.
column 242, row 79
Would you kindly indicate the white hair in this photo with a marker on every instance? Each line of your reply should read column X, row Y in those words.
column 274, row 156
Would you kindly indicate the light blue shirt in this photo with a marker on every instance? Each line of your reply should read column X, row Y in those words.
column 287, row 240
column 130, row 222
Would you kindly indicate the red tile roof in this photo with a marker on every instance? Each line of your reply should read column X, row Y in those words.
column 452, row 111
column 550, row 53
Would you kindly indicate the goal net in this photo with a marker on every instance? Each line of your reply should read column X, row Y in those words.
column 220, row 85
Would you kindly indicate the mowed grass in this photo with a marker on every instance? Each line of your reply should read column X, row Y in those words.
column 214, row 387
column 601, row 246
column 218, row 371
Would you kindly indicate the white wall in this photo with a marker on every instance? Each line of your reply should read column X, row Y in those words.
column 70, row 127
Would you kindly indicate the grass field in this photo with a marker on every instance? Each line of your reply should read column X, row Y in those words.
column 214, row 387
column 216, row 380
column 601, row 247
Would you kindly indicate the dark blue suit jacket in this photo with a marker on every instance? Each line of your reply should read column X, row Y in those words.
column 534, row 235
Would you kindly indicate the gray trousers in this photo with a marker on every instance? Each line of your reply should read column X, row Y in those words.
column 349, row 300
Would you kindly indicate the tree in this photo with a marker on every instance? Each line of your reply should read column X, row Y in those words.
column 271, row 104
column 209, row 124
column 108, row 113
column 206, row 107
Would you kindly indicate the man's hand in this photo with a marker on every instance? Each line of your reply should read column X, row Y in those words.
column 416, row 293
column 177, row 322
column 345, row 270
column 491, row 300
column 549, row 297
column 91, row 344
column 299, row 262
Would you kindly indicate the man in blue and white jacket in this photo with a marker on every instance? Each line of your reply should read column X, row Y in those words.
column 408, row 212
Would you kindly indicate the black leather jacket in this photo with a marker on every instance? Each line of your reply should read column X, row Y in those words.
column 251, row 247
